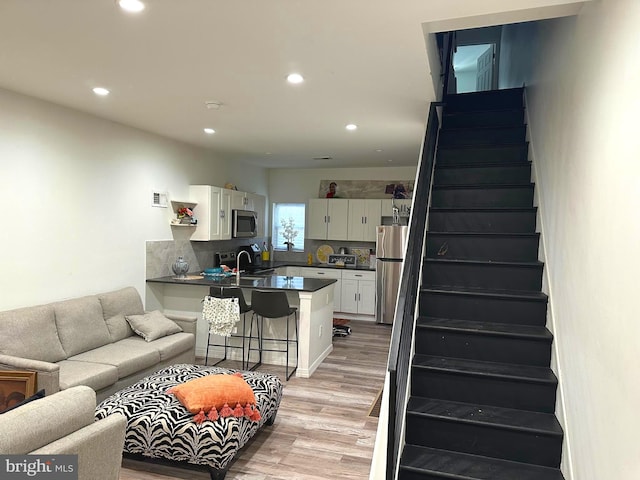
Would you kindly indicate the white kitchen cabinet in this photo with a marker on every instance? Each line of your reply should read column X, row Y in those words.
column 214, row 212
column 238, row 200
column 404, row 207
column 358, row 292
column 364, row 217
column 327, row 219
column 311, row 272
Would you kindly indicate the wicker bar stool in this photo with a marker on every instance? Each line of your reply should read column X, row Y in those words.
column 230, row 292
column 272, row 305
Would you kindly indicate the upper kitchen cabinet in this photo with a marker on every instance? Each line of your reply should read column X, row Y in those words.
column 364, row 217
column 327, row 218
column 214, row 212
column 404, row 207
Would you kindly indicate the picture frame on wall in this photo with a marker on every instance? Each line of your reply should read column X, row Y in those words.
column 15, row 386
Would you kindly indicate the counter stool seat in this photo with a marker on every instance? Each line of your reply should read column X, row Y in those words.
column 230, row 292
column 271, row 305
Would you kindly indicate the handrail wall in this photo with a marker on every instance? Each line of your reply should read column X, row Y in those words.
column 402, row 334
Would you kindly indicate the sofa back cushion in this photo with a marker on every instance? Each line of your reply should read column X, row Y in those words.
column 31, row 333
column 80, row 324
column 117, row 304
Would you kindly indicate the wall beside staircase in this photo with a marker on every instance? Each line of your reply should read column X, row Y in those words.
column 582, row 101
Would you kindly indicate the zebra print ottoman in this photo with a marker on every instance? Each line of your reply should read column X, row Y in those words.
column 158, row 426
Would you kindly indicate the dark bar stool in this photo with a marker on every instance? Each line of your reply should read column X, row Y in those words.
column 230, row 292
column 271, row 305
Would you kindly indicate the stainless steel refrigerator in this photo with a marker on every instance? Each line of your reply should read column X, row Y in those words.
column 391, row 243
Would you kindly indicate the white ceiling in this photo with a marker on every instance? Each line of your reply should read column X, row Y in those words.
column 364, row 61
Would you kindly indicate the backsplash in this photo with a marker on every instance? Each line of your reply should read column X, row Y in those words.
column 361, row 249
column 162, row 254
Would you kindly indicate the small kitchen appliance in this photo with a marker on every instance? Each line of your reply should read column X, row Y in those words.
column 245, row 224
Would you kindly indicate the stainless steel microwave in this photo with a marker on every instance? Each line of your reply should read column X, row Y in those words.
column 245, row 224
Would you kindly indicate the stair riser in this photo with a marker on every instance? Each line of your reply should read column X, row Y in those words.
column 512, row 174
column 484, row 440
column 482, row 136
column 487, row 222
column 506, row 153
column 503, row 277
column 483, row 390
column 495, row 118
column 507, row 249
column 492, row 100
column 404, row 474
column 514, row 197
column 483, row 309
column 488, row 348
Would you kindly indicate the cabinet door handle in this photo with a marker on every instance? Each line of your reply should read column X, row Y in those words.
column 221, row 213
column 355, row 297
column 329, row 217
column 320, row 273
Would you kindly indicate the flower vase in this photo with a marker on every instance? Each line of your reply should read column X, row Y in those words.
column 289, row 247
column 180, row 268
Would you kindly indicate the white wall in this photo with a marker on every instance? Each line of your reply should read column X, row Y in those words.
column 582, row 107
column 298, row 184
column 75, row 192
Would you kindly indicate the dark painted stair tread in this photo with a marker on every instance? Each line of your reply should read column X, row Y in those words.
column 483, row 209
column 536, row 264
column 486, row 328
column 484, row 187
column 486, row 234
column 489, row 292
column 492, row 163
column 464, row 466
column 500, row 417
column 525, row 373
column 501, row 146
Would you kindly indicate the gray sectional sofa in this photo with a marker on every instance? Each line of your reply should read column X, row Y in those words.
column 88, row 341
column 64, row 423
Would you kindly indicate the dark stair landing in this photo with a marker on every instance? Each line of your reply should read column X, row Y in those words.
column 482, row 398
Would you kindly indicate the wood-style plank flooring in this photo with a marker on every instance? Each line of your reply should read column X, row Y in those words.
column 322, row 430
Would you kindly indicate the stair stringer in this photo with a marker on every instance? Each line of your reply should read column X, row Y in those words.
column 566, row 465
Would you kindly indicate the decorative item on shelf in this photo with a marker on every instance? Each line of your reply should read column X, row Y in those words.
column 185, row 215
column 289, row 233
column 180, row 268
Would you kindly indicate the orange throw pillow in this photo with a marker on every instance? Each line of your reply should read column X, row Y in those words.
column 218, row 395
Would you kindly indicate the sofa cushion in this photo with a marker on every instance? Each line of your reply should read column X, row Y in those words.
column 126, row 359
column 94, row 375
column 117, row 304
column 31, row 333
column 152, row 325
column 80, row 324
column 168, row 347
column 40, row 423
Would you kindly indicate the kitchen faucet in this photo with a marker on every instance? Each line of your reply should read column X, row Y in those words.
column 238, row 265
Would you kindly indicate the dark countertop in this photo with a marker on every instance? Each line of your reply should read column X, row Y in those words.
column 249, row 281
column 277, row 264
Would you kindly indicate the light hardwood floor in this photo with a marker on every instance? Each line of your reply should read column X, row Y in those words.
column 322, row 430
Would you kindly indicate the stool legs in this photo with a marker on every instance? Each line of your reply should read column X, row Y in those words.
column 261, row 338
column 227, row 344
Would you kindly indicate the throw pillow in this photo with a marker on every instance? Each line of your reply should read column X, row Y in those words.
column 152, row 325
column 215, row 394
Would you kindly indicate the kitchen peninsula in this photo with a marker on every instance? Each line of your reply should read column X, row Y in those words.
column 312, row 296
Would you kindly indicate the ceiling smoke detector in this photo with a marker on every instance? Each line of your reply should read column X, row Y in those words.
column 213, row 105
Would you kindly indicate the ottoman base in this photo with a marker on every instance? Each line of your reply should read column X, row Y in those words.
column 160, row 427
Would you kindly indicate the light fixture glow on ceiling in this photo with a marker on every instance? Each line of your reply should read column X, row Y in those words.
column 209, row 131
column 295, row 78
column 103, row 92
column 351, row 126
column 131, row 5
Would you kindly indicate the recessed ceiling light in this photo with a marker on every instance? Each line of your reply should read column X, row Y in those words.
column 295, row 78
column 131, row 5
column 390, row 160
column 103, row 92
column 351, row 126
column 378, row 150
column 209, row 131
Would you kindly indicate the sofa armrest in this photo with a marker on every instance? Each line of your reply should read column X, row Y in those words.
column 48, row 373
column 38, row 423
column 187, row 323
column 98, row 446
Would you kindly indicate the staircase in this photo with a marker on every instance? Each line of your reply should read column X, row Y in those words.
column 482, row 398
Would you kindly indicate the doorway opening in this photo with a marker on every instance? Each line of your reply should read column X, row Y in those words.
column 473, row 67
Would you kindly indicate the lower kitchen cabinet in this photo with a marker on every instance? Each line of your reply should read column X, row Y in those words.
column 358, row 292
column 311, row 272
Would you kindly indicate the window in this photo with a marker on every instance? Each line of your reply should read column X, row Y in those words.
column 292, row 214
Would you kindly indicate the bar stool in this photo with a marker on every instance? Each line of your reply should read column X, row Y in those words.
column 229, row 292
column 271, row 305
